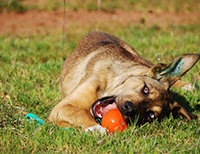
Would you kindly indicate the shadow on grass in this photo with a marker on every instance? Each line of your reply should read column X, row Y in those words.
column 184, row 103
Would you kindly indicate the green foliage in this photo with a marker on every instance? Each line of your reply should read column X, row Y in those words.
column 154, row 5
column 12, row 5
column 106, row 5
column 50, row 5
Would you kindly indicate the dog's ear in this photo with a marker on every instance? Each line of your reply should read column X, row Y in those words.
column 170, row 73
column 177, row 111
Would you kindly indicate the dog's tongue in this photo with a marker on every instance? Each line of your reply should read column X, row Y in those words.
column 107, row 108
column 99, row 110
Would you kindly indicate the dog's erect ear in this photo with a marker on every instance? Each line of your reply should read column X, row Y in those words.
column 177, row 111
column 170, row 73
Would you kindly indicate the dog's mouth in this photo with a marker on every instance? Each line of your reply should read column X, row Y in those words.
column 102, row 106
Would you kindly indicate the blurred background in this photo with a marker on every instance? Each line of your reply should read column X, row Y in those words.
column 44, row 16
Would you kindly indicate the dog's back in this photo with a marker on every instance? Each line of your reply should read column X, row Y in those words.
column 98, row 48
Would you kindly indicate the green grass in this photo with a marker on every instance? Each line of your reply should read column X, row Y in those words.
column 106, row 5
column 154, row 5
column 29, row 81
column 12, row 5
column 30, row 67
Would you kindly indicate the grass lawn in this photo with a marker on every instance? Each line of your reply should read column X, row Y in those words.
column 30, row 67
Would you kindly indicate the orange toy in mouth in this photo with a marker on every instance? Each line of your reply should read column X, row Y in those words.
column 106, row 113
column 114, row 121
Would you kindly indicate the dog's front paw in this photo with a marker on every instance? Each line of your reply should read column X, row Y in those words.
column 98, row 128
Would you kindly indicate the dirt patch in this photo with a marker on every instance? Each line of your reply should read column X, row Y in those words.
column 38, row 21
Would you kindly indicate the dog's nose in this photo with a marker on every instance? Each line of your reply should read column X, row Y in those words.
column 128, row 108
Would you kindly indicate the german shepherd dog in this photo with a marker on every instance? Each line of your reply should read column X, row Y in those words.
column 106, row 68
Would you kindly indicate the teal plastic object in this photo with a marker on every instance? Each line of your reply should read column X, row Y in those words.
column 32, row 117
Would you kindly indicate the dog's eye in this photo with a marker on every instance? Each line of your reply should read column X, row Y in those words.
column 151, row 115
column 145, row 90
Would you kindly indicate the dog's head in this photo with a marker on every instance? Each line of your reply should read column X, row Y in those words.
column 148, row 96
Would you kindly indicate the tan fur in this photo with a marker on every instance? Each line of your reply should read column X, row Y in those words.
column 103, row 65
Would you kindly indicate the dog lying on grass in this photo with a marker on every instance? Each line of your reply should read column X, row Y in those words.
column 104, row 67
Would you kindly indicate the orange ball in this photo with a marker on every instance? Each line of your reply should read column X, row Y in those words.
column 114, row 121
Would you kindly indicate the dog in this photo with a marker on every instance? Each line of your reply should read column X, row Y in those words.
column 105, row 68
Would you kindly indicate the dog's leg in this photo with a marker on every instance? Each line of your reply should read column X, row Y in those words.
column 75, row 109
column 65, row 115
column 179, row 110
